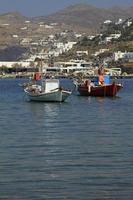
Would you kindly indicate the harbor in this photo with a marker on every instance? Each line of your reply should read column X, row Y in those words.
column 79, row 148
column 66, row 76
column 66, row 100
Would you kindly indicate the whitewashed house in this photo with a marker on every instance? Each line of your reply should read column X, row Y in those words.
column 115, row 35
column 91, row 37
column 78, row 35
column 81, row 53
column 25, row 41
column 129, row 23
column 120, row 21
column 118, row 55
column 100, row 51
column 48, row 26
column 69, row 45
column 27, row 22
column 13, row 63
column 107, row 22
column 51, row 37
column 59, row 44
column 15, row 36
column 24, row 28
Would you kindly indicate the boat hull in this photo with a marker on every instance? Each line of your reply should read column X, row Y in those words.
column 109, row 90
column 55, row 96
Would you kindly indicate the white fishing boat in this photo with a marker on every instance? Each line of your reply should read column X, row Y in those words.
column 48, row 91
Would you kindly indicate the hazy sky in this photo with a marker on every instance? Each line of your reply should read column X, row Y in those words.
column 45, row 7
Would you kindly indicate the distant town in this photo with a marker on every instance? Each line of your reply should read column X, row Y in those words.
column 68, row 52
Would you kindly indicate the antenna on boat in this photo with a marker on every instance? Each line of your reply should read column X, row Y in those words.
column 41, row 69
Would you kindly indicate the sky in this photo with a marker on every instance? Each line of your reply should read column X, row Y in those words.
column 45, row 7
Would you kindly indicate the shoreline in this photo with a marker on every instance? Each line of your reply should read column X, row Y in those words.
column 130, row 76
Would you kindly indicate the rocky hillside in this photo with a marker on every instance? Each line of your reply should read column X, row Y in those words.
column 83, row 16
column 80, row 18
column 86, row 17
column 123, row 43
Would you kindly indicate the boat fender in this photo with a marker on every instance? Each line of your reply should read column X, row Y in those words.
column 89, row 88
column 88, row 84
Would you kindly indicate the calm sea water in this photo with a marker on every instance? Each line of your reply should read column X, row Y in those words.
column 81, row 149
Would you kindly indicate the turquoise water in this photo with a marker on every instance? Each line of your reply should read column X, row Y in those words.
column 81, row 149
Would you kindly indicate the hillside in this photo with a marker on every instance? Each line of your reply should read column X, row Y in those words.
column 123, row 43
column 80, row 18
column 12, row 18
column 86, row 17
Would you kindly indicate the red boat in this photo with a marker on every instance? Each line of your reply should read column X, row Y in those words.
column 89, row 89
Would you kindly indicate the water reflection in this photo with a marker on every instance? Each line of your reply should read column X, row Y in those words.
column 81, row 149
column 47, row 111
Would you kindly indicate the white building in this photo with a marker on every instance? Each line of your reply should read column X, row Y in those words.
column 115, row 35
column 48, row 26
column 78, row 35
column 41, row 25
column 107, row 22
column 15, row 36
column 80, row 53
column 51, row 37
column 108, row 39
column 91, row 37
column 27, row 22
column 120, row 21
column 69, row 45
column 100, row 51
column 64, row 46
column 11, row 64
column 129, row 23
column 55, row 53
column 63, row 33
column 25, row 41
column 111, row 37
column 5, row 24
column 118, row 55
column 54, row 24
column 59, row 44
column 24, row 28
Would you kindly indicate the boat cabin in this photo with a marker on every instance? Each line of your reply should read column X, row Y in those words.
column 50, row 84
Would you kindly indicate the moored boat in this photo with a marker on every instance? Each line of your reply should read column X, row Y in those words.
column 49, row 91
column 90, row 89
column 100, row 88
